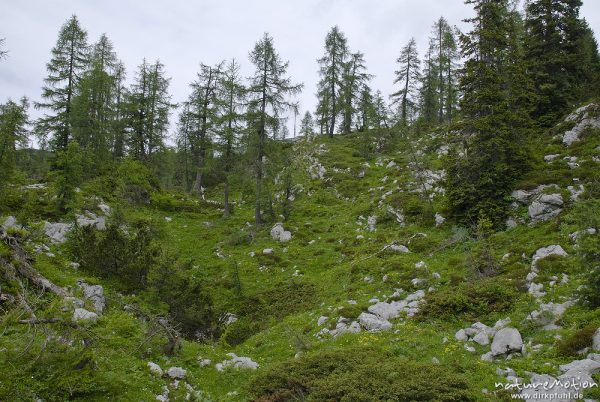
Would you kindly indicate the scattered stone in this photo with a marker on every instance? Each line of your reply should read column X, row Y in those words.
column 439, row 220
column 461, row 335
column 91, row 219
column 506, row 341
column 94, row 293
column 104, row 208
column 268, row 251
column 371, row 322
column 398, row 248
column 155, row 369
column 81, row 314
column 279, row 233
column 545, row 252
column 596, row 342
column 11, row 223
column 238, row 362
column 371, row 222
column 168, row 219
column 229, row 318
column 575, row 235
column 176, row 373
column 481, row 338
column 322, row 320
column 57, row 232
column 545, row 207
column 469, row 348
column 550, row 158
column 204, row 362
column 576, row 192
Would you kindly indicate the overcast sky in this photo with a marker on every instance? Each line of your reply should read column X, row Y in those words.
column 183, row 33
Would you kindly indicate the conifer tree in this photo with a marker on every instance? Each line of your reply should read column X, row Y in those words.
column 354, row 80
column 408, row 77
column 562, row 56
column 119, row 113
column 3, row 51
column 493, row 156
column 203, row 106
column 230, row 100
column 70, row 57
column 268, row 92
column 13, row 133
column 93, row 105
column 148, row 107
column 307, row 126
column 331, row 71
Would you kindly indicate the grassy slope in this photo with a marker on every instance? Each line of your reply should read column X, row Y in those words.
column 335, row 263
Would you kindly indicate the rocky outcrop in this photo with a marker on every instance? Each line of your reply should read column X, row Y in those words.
column 81, row 314
column 587, row 116
column 57, row 232
column 545, row 207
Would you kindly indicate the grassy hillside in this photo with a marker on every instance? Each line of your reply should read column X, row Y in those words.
column 357, row 199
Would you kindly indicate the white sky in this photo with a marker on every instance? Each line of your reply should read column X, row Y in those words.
column 183, row 33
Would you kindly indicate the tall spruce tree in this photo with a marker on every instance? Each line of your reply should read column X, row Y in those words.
column 408, row 77
column 480, row 180
column 70, row 58
column 268, row 92
column 562, row 56
column 331, row 71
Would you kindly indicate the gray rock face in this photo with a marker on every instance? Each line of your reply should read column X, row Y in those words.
column 57, row 232
column 507, row 340
column 585, row 367
column 279, row 233
column 545, row 207
column 371, row 322
column 94, row 293
column 583, row 118
column 176, row 373
column 81, row 314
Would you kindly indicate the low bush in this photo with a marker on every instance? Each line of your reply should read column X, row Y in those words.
column 470, row 299
column 577, row 341
column 359, row 374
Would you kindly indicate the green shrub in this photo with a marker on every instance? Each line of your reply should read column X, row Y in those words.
column 240, row 330
column 577, row 341
column 470, row 299
column 358, row 374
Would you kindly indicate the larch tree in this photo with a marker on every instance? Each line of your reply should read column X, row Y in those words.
column 331, row 72
column 204, row 108
column 307, row 126
column 268, row 93
column 149, row 106
column 231, row 95
column 119, row 113
column 407, row 77
column 70, row 58
column 94, row 105
column 354, row 80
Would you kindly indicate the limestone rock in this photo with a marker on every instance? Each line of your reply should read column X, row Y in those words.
column 94, row 293
column 371, row 322
column 176, row 373
column 81, row 314
column 57, row 232
column 155, row 369
column 238, row 362
column 507, row 340
column 279, row 233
